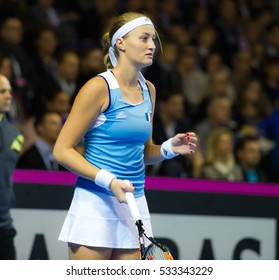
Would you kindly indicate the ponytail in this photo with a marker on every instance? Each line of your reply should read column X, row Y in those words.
column 106, row 42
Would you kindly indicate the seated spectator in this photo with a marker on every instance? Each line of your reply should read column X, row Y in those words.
column 272, row 40
column 218, row 84
column 218, row 114
column 45, row 47
column 11, row 45
column 220, row 163
column 251, row 34
column 271, row 79
column 68, row 71
column 198, row 14
column 39, row 155
column 46, row 14
column 170, row 119
column 163, row 72
column 179, row 33
column 205, row 43
column 91, row 64
column 228, row 29
column 56, row 100
column 242, row 69
column 66, row 74
column 253, row 106
column 249, row 155
column 213, row 64
column 194, row 80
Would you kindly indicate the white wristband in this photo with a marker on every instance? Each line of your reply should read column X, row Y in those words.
column 166, row 150
column 104, row 178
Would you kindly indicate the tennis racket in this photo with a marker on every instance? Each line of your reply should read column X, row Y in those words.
column 156, row 250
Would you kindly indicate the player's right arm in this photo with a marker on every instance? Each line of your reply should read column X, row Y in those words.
column 91, row 100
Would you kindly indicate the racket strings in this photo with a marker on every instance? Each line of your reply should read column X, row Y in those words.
column 154, row 252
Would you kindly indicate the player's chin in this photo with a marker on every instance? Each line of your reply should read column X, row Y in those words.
column 148, row 62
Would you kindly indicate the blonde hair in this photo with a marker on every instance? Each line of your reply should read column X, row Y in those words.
column 212, row 142
column 107, row 37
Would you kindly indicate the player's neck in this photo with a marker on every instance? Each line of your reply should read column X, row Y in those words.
column 127, row 77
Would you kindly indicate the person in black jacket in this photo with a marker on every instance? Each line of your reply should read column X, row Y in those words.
column 39, row 155
column 11, row 142
column 249, row 155
column 170, row 119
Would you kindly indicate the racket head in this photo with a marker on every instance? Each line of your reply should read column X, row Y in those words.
column 155, row 252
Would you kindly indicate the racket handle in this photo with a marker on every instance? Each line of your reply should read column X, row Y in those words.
column 132, row 204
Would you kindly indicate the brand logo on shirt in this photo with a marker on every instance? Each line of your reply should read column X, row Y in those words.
column 121, row 115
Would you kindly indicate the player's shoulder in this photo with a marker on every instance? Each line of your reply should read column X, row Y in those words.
column 151, row 87
column 96, row 84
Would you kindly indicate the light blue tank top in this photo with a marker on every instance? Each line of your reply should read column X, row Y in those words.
column 115, row 141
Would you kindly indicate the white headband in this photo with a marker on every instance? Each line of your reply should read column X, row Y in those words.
column 123, row 30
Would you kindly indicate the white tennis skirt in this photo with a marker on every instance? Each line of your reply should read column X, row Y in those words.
column 100, row 220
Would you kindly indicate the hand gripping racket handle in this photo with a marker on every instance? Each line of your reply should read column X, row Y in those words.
column 132, row 204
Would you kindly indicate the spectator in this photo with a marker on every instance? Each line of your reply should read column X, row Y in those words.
column 67, row 72
column 163, row 71
column 272, row 40
column 205, row 43
column 228, row 29
column 134, row 5
column 44, row 13
column 271, row 80
column 218, row 84
column 11, row 45
column 91, row 63
column 249, row 155
column 57, row 100
column 39, row 155
column 199, row 18
column 218, row 114
column 253, row 106
column 45, row 61
column 93, row 20
column 242, row 69
column 264, row 16
column 168, row 11
column 171, row 118
column 179, row 34
column 251, row 34
column 220, row 161
column 194, row 81
column 45, row 45
column 213, row 64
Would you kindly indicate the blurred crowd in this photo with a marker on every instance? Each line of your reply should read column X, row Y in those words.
column 218, row 75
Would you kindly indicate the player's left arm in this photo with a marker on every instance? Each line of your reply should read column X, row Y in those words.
column 181, row 143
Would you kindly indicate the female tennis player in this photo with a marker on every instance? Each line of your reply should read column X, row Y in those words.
column 113, row 113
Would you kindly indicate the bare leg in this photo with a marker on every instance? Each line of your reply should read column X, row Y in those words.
column 79, row 252
column 125, row 254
